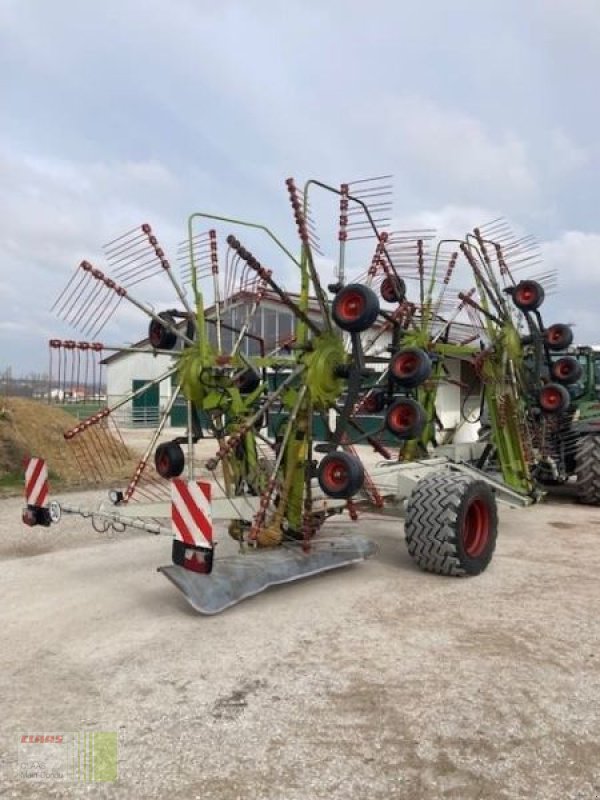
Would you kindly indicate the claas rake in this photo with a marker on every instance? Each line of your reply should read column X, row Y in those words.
column 377, row 343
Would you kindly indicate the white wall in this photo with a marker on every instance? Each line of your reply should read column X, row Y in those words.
column 448, row 403
column 121, row 373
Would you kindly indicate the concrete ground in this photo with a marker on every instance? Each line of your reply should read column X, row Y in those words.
column 375, row 681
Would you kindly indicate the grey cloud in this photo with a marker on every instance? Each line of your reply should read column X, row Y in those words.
column 130, row 111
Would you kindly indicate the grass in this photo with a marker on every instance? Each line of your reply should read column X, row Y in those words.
column 16, row 479
column 12, row 480
column 79, row 410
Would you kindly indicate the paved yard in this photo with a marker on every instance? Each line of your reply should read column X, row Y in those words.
column 376, row 681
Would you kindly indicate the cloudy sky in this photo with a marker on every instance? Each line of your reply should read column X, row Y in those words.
column 126, row 111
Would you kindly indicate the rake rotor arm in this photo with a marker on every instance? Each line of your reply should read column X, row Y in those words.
column 233, row 221
column 265, row 275
column 358, row 201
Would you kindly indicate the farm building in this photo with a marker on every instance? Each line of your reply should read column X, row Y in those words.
column 270, row 327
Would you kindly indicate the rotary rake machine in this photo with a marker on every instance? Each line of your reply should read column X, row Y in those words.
column 539, row 408
column 361, row 348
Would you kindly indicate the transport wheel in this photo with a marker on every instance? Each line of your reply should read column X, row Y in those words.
column 528, row 295
column 410, row 367
column 340, row 475
column 558, row 336
column 567, row 370
column 406, row 418
column 587, row 468
column 451, row 524
column 169, row 460
column 160, row 337
column 553, row 398
column 355, row 308
column 392, row 289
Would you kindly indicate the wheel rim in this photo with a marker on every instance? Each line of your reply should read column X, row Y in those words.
column 402, row 417
column 527, row 295
column 405, row 365
column 476, row 527
column 555, row 336
column 388, row 291
column 566, row 370
column 335, row 475
column 563, row 370
column 370, row 403
column 351, row 305
column 156, row 330
column 558, row 335
column 551, row 399
column 163, row 465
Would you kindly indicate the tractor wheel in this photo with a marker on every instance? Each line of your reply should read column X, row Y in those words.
column 410, row 367
column 558, row 336
column 587, row 469
column 374, row 402
column 451, row 524
column 553, row 398
column 169, row 460
column 566, row 370
column 406, row 418
column 160, row 337
column 392, row 289
column 355, row 308
column 340, row 475
column 528, row 295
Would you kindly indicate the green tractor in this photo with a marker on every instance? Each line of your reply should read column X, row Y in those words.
column 574, row 440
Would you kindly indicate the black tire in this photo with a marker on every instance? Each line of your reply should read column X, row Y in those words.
column 374, row 402
column 392, row 289
column 169, row 460
column 340, row 475
column 410, row 367
column 566, row 370
column 528, row 295
column 406, row 418
column 451, row 524
column 553, row 398
column 355, row 308
column 248, row 381
column 558, row 336
column 587, row 469
column 160, row 337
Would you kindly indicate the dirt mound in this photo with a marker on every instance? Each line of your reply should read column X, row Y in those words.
column 35, row 428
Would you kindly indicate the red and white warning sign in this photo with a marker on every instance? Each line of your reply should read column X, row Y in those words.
column 36, row 482
column 190, row 512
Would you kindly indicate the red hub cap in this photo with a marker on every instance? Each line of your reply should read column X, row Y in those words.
column 526, row 295
column 335, row 475
column 163, row 466
column 405, row 365
column 387, row 290
column 402, row 417
column 370, row 404
column 550, row 398
column 156, row 330
column 476, row 527
column 351, row 306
